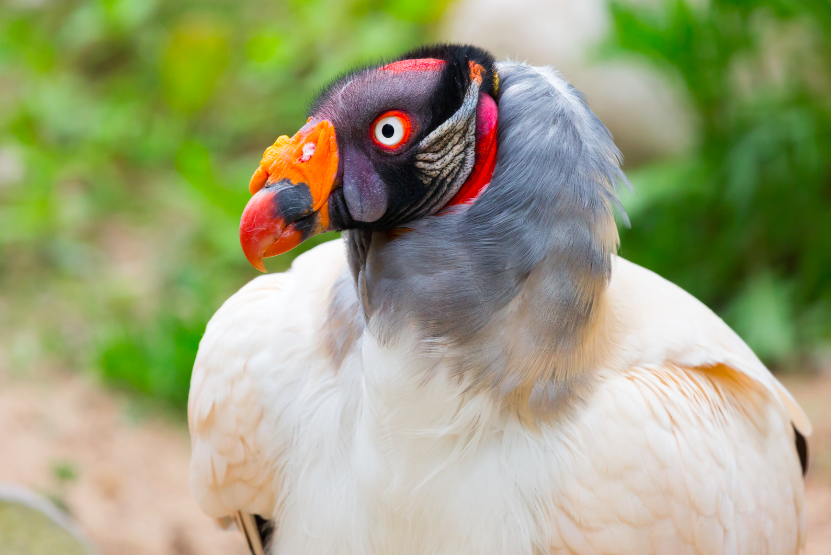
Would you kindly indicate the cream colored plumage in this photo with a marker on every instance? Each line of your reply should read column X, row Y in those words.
column 474, row 382
column 684, row 443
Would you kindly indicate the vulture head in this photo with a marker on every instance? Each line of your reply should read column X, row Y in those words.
column 383, row 146
column 475, row 197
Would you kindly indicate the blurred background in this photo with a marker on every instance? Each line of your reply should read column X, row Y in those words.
column 129, row 130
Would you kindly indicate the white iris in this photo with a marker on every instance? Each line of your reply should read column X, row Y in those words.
column 389, row 131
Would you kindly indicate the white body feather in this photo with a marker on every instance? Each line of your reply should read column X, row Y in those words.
column 684, row 445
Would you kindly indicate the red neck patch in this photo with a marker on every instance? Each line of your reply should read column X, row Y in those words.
column 480, row 176
column 419, row 64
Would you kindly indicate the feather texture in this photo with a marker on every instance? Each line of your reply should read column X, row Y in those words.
column 684, row 444
column 495, row 381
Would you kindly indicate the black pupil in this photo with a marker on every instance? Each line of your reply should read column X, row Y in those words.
column 388, row 130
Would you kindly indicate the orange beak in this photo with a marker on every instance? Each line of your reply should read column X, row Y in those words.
column 291, row 189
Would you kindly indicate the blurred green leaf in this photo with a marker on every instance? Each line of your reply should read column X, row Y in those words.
column 153, row 359
column 761, row 314
column 194, row 59
column 65, row 471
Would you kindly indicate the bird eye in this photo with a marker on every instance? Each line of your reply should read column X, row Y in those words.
column 391, row 130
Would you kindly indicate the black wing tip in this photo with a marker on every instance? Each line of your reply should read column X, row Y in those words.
column 265, row 528
column 802, row 450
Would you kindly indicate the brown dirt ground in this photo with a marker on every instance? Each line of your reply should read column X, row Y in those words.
column 130, row 490
column 122, row 471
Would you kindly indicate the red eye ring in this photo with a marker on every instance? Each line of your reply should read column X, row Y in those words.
column 391, row 129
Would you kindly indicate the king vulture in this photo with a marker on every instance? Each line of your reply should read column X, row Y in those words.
column 472, row 369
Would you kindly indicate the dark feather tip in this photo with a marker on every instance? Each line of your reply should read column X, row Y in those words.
column 802, row 450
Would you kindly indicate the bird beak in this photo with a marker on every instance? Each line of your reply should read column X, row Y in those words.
column 291, row 191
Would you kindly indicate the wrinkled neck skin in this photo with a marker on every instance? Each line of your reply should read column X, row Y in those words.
column 509, row 292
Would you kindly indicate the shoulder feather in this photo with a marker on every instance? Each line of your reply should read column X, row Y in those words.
column 657, row 322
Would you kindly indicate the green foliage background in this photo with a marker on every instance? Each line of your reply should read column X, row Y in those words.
column 129, row 130
column 744, row 220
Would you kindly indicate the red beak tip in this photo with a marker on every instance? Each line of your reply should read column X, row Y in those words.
column 255, row 260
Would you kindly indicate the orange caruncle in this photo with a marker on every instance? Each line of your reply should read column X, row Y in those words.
column 310, row 157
